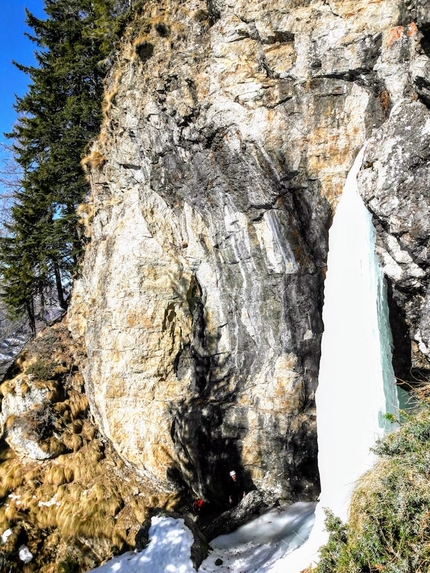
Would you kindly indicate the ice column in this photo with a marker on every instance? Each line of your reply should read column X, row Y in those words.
column 356, row 382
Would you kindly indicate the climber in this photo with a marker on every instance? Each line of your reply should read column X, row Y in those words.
column 198, row 506
column 235, row 489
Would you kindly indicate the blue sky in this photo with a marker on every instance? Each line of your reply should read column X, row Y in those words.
column 14, row 46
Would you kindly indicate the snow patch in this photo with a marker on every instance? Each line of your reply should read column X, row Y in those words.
column 169, row 551
column 25, row 554
column 5, row 535
column 262, row 542
column 52, row 501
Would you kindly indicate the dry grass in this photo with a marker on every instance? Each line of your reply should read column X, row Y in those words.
column 11, row 420
column 11, row 476
column 95, row 160
column 88, row 511
column 24, row 388
column 109, row 98
column 81, row 499
column 53, row 446
column 81, row 495
column 139, row 41
column 84, row 501
column 85, row 213
column 57, row 475
column 73, row 442
column 77, row 404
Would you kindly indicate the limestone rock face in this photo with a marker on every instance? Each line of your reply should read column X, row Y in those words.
column 395, row 184
column 230, row 127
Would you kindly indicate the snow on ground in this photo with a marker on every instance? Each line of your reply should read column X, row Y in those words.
column 169, row 551
column 258, row 545
column 255, row 547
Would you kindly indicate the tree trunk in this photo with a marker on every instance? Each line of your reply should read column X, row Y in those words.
column 60, row 291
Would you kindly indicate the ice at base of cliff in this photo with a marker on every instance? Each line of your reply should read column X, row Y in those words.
column 260, row 544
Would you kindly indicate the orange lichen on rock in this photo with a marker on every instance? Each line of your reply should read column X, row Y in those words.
column 384, row 99
column 397, row 33
column 412, row 29
column 393, row 35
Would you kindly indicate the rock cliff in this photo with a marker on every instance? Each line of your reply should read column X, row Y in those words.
column 229, row 130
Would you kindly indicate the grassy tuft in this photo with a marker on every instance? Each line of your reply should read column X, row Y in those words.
column 42, row 370
column 10, row 476
column 78, row 404
column 94, row 160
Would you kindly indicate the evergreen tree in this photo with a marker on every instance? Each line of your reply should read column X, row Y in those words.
column 58, row 116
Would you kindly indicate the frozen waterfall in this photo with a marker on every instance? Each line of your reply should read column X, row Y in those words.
column 356, row 382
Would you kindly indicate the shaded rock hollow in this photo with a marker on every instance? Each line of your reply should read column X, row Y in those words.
column 229, row 130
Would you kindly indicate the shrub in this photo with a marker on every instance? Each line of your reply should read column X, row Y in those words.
column 39, row 423
column 42, row 370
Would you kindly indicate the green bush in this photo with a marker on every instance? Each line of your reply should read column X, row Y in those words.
column 42, row 370
column 389, row 526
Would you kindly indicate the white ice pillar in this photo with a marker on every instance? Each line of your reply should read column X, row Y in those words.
column 356, row 382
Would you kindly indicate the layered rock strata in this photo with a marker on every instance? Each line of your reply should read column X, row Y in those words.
column 229, row 130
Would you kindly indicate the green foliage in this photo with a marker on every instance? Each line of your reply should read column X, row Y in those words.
column 390, row 417
column 58, row 116
column 389, row 526
column 332, row 552
column 42, row 370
